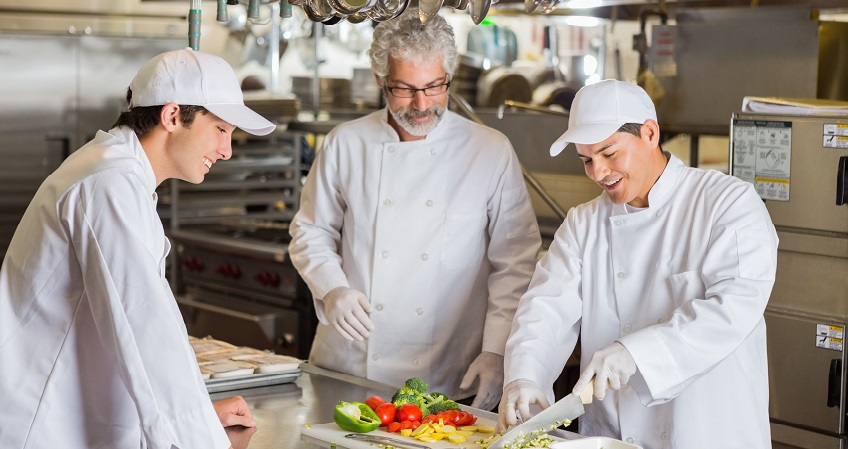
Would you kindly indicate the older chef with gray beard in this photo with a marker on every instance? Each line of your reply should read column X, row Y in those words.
column 416, row 235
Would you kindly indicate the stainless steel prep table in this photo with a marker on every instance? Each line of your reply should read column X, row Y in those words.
column 281, row 411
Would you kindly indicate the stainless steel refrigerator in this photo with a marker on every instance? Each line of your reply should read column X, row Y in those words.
column 799, row 165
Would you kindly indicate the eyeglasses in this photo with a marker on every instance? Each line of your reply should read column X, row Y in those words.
column 408, row 92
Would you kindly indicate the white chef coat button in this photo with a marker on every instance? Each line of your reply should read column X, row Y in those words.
column 629, row 440
column 155, row 197
column 660, row 213
column 416, row 362
column 375, row 357
column 379, row 307
column 387, row 203
column 432, row 151
column 429, row 203
column 621, row 275
column 424, row 256
column 391, row 149
column 384, row 254
column 419, row 311
column 618, row 222
column 627, row 328
column 664, row 435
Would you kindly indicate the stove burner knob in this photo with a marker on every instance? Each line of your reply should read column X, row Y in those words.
column 192, row 263
column 267, row 278
column 229, row 271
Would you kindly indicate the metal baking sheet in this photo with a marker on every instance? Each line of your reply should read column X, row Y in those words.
column 250, row 381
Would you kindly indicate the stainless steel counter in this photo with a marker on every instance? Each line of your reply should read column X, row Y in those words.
column 281, row 411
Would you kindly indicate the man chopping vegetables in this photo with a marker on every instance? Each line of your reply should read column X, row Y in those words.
column 664, row 277
column 416, row 235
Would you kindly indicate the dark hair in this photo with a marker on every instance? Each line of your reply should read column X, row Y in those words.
column 143, row 119
column 631, row 128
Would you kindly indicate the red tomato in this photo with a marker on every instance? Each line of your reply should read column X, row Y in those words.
column 387, row 413
column 409, row 412
column 393, row 427
column 405, row 425
column 374, row 402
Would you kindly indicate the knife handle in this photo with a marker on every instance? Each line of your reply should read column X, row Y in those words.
column 587, row 393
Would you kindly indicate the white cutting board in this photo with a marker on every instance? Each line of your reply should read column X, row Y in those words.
column 324, row 434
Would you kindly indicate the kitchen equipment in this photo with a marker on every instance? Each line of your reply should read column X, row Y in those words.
column 479, row 9
column 501, row 84
column 230, row 269
column 565, row 409
column 376, row 439
column 427, row 9
column 795, row 164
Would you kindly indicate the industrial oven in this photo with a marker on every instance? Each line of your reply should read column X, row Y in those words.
column 799, row 166
column 230, row 268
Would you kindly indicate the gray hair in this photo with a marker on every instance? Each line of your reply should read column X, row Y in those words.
column 406, row 38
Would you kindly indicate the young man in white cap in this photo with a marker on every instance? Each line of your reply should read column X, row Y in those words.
column 664, row 277
column 93, row 350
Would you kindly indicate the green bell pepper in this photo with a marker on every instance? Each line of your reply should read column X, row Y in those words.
column 356, row 417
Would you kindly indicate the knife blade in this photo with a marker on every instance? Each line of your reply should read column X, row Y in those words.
column 385, row 440
column 566, row 409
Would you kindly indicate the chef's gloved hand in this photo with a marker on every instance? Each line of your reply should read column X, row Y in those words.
column 487, row 371
column 611, row 367
column 519, row 394
column 347, row 310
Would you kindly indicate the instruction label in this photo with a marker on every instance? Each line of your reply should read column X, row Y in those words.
column 762, row 152
column 829, row 336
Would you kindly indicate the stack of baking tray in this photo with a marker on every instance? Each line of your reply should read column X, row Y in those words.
column 228, row 367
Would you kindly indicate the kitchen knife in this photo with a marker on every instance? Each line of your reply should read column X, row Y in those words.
column 566, row 409
column 385, row 440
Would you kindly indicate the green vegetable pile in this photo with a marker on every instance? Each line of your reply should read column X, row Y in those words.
column 415, row 392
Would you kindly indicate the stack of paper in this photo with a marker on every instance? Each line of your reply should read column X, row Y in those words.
column 795, row 106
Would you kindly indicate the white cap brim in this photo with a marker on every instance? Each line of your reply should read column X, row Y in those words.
column 589, row 133
column 242, row 117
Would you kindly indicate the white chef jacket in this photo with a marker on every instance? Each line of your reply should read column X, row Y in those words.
column 682, row 284
column 439, row 234
column 93, row 349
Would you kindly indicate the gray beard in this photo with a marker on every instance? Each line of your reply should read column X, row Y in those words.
column 404, row 117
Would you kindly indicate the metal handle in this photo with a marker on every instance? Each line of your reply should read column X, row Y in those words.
column 528, row 106
column 194, row 25
column 834, row 383
column 842, row 182
column 468, row 111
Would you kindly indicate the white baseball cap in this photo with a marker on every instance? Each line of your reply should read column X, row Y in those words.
column 194, row 78
column 600, row 109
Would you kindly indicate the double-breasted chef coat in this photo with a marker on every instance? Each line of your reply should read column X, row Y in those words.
column 93, row 349
column 439, row 234
column 682, row 284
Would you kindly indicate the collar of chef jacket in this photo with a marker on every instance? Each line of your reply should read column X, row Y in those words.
column 128, row 137
column 662, row 190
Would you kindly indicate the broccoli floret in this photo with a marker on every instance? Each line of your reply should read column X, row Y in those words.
column 401, row 398
column 418, row 384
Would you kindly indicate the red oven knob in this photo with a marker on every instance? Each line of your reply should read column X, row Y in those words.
column 268, row 278
column 192, row 263
column 229, row 270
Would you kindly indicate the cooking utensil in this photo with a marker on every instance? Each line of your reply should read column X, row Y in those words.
column 479, row 9
column 566, row 409
column 385, row 440
column 427, row 10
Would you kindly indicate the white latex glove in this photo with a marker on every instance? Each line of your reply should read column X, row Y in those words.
column 347, row 310
column 519, row 394
column 611, row 367
column 488, row 367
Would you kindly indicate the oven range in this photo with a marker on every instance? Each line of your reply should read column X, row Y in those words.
column 238, row 285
